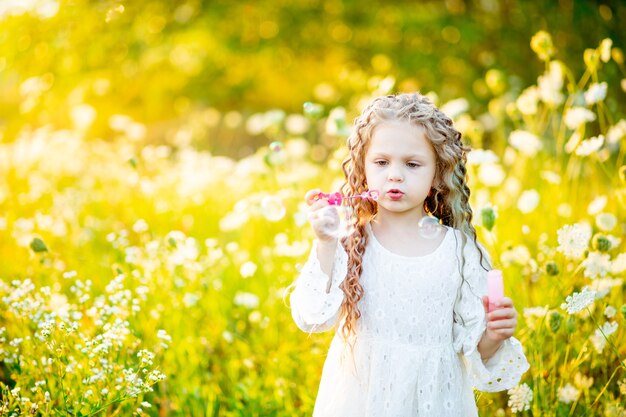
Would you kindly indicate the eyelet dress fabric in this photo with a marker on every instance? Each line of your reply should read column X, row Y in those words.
column 415, row 352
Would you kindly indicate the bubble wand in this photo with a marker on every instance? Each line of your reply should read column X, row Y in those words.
column 337, row 199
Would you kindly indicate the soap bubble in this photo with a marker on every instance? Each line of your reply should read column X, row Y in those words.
column 273, row 208
column 429, row 227
column 275, row 154
column 276, row 146
column 338, row 221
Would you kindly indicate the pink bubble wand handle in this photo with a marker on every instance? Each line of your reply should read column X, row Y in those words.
column 495, row 288
column 336, row 199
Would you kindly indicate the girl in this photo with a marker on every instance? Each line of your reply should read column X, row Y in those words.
column 414, row 332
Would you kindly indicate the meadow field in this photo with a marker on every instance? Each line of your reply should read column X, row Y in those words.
column 145, row 277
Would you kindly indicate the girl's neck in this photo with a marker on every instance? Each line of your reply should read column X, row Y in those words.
column 397, row 222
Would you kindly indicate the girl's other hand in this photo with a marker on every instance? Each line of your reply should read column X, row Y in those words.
column 323, row 218
column 502, row 321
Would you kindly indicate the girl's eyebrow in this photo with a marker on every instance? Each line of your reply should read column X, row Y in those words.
column 411, row 156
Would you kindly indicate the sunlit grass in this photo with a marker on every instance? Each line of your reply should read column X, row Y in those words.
column 173, row 260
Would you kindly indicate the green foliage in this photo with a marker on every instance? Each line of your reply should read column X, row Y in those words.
column 162, row 61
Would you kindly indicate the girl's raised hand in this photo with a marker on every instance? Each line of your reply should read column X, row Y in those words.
column 323, row 218
column 502, row 321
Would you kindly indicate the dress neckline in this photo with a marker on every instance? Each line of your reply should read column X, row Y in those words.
column 416, row 257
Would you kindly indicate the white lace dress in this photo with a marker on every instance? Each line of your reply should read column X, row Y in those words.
column 415, row 352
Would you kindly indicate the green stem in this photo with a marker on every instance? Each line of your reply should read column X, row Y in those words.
column 605, row 386
column 621, row 362
column 117, row 400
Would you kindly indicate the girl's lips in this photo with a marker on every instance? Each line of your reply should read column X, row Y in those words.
column 395, row 194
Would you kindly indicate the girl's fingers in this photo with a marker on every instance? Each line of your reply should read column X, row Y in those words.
column 310, row 196
column 502, row 313
column 506, row 302
column 502, row 324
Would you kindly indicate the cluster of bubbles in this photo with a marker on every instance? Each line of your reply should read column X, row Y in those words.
column 340, row 221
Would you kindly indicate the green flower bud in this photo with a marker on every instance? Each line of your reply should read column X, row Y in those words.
column 601, row 243
column 623, row 310
column 37, row 245
column 488, row 216
column 570, row 325
column 554, row 321
column 552, row 268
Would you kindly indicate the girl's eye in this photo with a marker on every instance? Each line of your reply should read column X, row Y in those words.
column 413, row 164
column 381, row 162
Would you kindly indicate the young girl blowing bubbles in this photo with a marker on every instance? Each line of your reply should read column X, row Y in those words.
column 414, row 332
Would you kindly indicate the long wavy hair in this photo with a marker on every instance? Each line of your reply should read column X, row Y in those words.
column 448, row 200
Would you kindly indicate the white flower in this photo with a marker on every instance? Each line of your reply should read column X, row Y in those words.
column 482, row 156
column 550, row 84
column 572, row 143
column 578, row 300
column 491, row 175
column 525, row 142
column 610, row 312
column 532, row 313
column 619, row 264
column 597, row 205
column 528, row 201
column 605, row 49
column 596, row 92
column 296, row 124
column 83, row 116
column 527, row 101
column 140, row 226
column 606, row 221
column 602, row 286
column 246, row 299
column 587, row 147
column 551, row 176
column 597, row 265
column 166, row 338
column 233, row 220
column 598, row 339
column 535, row 311
column 583, row 382
column 564, row 210
column 568, row 394
column 577, row 116
column 520, row 398
column 616, row 132
column 256, row 124
column 228, row 336
column 573, row 240
column 247, row 269
column 455, row 108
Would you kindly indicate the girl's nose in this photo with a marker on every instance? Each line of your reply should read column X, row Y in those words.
column 395, row 175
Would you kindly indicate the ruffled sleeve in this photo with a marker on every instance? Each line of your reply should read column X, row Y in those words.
column 313, row 308
column 505, row 368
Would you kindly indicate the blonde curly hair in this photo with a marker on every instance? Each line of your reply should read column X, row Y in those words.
column 448, row 199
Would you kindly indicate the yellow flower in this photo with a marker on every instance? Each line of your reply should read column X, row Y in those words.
column 542, row 44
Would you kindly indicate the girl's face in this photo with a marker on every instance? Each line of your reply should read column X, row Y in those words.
column 400, row 164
